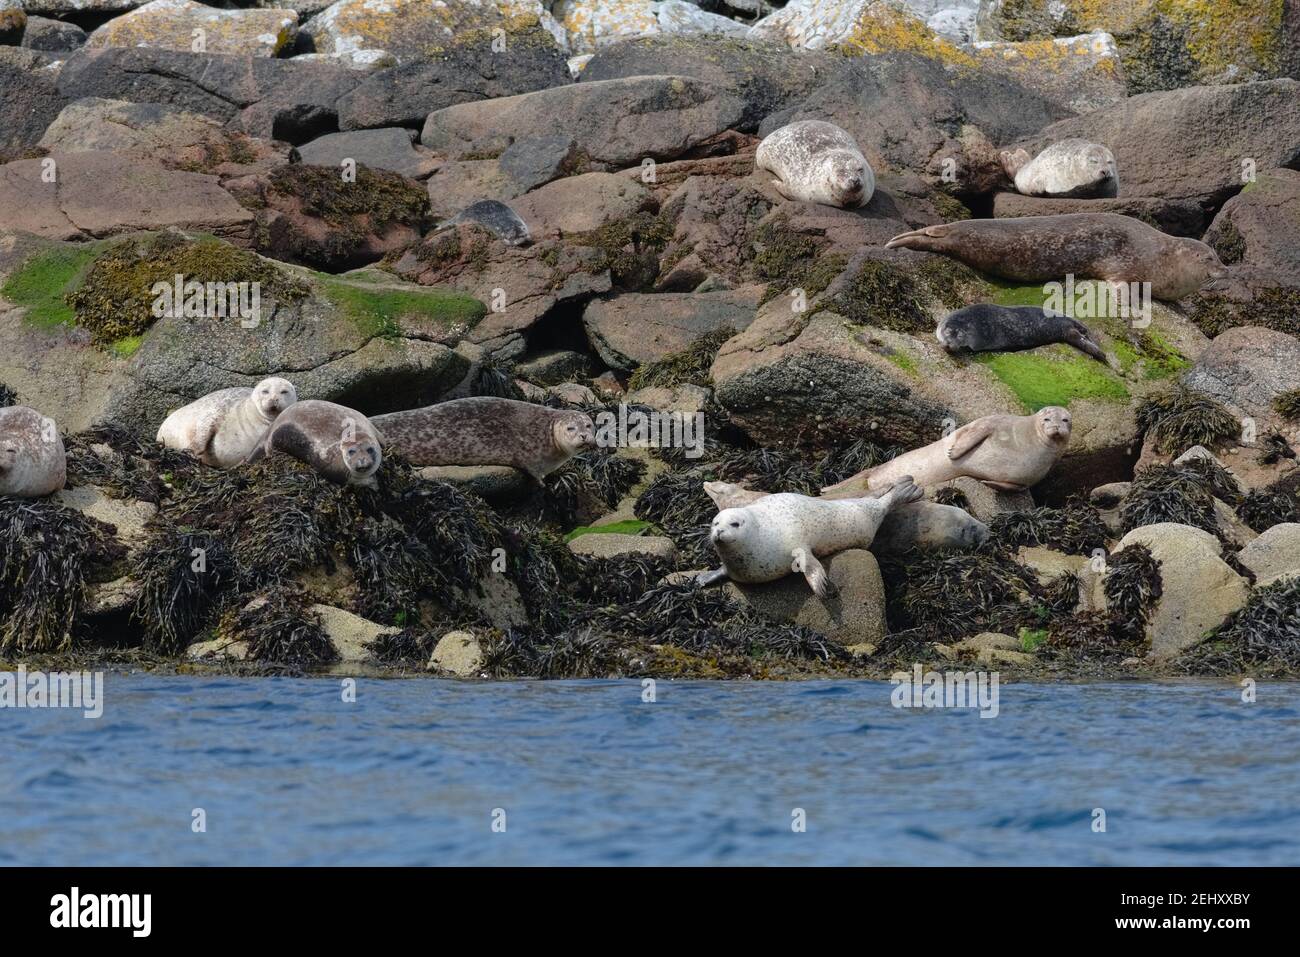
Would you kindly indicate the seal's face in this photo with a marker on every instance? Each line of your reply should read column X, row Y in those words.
column 954, row 337
column 274, row 395
column 848, row 179
column 1099, row 165
column 730, row 526
column 362, row 457
column 1200, row 265
column 575, row 434
column 1054, row 424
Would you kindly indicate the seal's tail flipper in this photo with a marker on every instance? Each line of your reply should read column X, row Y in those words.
column 929, row 239
column 855, row 486
column 705, row 579
column 1091, row 348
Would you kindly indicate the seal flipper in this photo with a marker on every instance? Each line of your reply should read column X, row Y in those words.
column 705, row 579
column 966, row 439
column 806, row 563
column 929, row 239
column 1082, row 339
column 1004, row 486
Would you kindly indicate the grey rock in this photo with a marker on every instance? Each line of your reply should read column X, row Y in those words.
column 613, row 544
column 538, row 160
column 392, row 148
column 53, row 36
column 633, row 329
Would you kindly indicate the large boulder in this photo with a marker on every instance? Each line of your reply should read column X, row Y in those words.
column 1259, row 225
column 910, row 112
column 580, row 204
column 52, row 36
column 616, row 122
column 101, row 194
column 195, row 27
column 1274, row 554
column 29, row 101
column 855, row 615
column 592, row 24
column 1081, row 72
column 1200, row 143
column 174, row 137
column 766, row 76
column 419, row 30
column 1246, row 368
column 393, row 149
column 1199, row 590
column 272, row 98
column 633, row 329
column 1163, row 43
column 368, row 341
column 466, row 70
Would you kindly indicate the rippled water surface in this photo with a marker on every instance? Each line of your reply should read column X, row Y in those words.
column 586, row 773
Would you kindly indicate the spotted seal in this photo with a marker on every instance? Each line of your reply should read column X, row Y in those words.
column 986, row 327
column 487, row 430
column 1070, row 169
column 1009, row 453
column 223, row 427
column 338, row 442
column 32, row 461
column 497, row 218
column 817, row 162
column 1107, row 246
column 921, row 524
column 783, row 533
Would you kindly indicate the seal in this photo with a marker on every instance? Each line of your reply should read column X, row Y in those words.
column 817, row 162
column 921, row 524
column 777, row 534
column 338, row 442
column 496, row 217
column 223, row 427
column 1070, row 169
column 986, row 327
column 487, row 430
column 1005, row 452
column 1107, row 246
column 32, row 461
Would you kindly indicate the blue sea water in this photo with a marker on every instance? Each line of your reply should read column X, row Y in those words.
column 585, row 772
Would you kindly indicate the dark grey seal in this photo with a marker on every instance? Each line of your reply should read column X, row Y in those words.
column 986, row 327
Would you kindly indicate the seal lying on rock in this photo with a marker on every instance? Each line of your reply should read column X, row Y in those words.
column 223, row 427
column 920, row 524
column 1005, row 452
column 1105, row 246
column 338, row 442
column 32, row 461
column 1073, row 169
column 817, row 162
column 497, row 218
column 781, row 533
column 985, row 327
column 486, row 430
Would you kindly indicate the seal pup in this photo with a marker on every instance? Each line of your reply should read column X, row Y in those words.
column 496, row 217
column 32, row 460
column 1107, row 246
column 985, row 327
column 338, row 442
column 223, row 427
column 783, row 533
column 921, row 524
column 1005, row 452
column 1070, row 169
column 487, row 430
column 817, row 162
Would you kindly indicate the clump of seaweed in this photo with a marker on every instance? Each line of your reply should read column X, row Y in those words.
column 677, row 503
column 629, row 248
column 182, row 574
column 885, row 295
column 110, row 457
column 8, row 396
column 952, row 593
column 1276, row 308
column 493, row 377
column 408, row 647
column 1179, row 418
column 579, row 652
column 115, row 299
column 1132, row 586
column 1285, row 404
column 690, row 365
column 545, row 571
column 770, row 470
column 1076, row 529
column 1261, row 509
column 1061, row 594
column 1171, row 493
column 279, row 627
column 1274, row 448
column 846, row 460
column 598, row 476
column 789, row 260
column 619, row 579
column 46, row 553
column 377, row 199
column 1262, row 637
column 948, row 495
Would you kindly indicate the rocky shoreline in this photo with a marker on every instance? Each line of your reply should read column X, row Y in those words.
column 315, row 153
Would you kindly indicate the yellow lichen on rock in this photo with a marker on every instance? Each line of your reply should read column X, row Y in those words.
column 886, row 28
